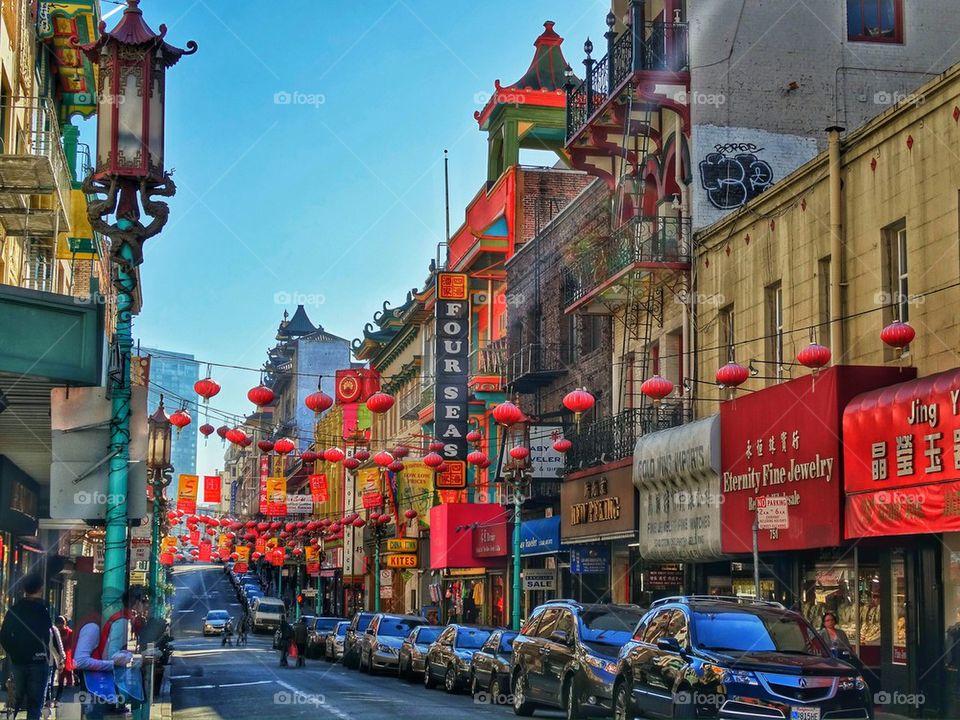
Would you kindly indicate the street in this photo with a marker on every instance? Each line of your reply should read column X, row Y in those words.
column 210, row 681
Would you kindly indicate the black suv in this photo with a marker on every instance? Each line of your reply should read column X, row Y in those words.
column 708, row 657
column 565, row 656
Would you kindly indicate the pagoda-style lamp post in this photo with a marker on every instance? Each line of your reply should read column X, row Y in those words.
column 132, row 61
column 161, row 473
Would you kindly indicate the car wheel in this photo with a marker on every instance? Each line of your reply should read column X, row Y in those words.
column 622, row 702
column 428, row 681
column 521, row 706
column 474, row 685
column 450, row 683
column 496, row 691
column 572, row 699
column 683, row 707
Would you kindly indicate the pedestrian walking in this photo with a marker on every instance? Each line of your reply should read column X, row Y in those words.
column 57, row 660
column 300, row 640
column 286, row 637
column 25, row 637
column 67, row 677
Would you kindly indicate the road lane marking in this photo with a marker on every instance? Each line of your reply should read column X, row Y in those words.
column 243, row 684
column 325, row 705
column 198, row 687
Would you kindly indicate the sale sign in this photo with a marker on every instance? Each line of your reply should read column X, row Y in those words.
column 211, row 488
column 187, row 493
column 276, row 496
column 318, row 488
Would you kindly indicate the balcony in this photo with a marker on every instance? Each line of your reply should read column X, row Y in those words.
column 661, row 48
column 613, row 438
column 32, row 163
column 643, row 243
column 414, row 399
column 536, row 365
column 488, row 366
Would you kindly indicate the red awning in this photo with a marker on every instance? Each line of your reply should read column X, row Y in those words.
column 452, row 530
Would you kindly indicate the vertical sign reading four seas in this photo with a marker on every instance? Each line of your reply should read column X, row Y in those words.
column 450, row 369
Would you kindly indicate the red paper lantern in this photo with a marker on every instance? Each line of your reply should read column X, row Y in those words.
column 578, row 401
column 256, row 555
column 207, row 429
column 333, row 455
column 395, row 467
column 432, row 460
column 520, row 452
column 298, row 551
column 265, row 445
column 236, row 436
column 309, row 456
column 379, row 402
column 350, row 518
column 476, row 457
column 166, row 558
column 656, row 388
column 361, row 454
column 335, row 528
column 562, row 445
column 383, row 459
column 814, row 356
column 318, row 401
column 442, row 467
column 384, row 519
column 507, row 414
column 276, row 525
column 283, row 446
column 435, row 446
column 732, row 375
column 260, row 395
column 358, row 523
column 246, row 442
column 206, row 388
column 180, row 419
column 474, row 436
column 410, row 514
column 351, row 463
column 222, row 431
column 211, row 532
column 897, row 335
column 401, row 451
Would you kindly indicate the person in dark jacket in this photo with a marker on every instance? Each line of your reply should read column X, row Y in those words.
column 300, row 639
column 286, row 636
column 25, row 637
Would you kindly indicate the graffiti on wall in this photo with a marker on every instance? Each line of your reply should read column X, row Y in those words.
column 733, row 174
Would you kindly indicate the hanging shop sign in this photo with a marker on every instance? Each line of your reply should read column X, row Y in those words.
column 664, row 577
column 402, row 561
column 784, row 441
column 540, row 537
column 539, row 579
column 276, row 496
column 451, row 365
column 596, row 507
column 356, row 385
column 546, row 463
column 404, row 545
column 454, row 477
column 677, row 476
column 590, row 560
column 490, row 540
column 187, row 493
column 416, row 490
column 205, row 551
column 902, row 458
column 211, row 489
column 299, row 505
column 264, row 472
column 311, row 554
column 318, row 488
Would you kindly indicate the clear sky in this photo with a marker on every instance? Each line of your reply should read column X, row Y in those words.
column 337, row 196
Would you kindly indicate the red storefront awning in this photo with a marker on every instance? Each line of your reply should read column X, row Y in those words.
column 452, row 530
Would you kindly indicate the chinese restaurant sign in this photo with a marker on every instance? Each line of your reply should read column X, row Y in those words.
column 784, row 441
column 450, row 368
column 902, row 458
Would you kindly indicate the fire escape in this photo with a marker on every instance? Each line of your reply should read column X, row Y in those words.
column 628, row 123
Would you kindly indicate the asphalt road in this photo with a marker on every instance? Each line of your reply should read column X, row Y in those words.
column 210, row 682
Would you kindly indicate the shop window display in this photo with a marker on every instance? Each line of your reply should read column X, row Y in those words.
column 835, row 588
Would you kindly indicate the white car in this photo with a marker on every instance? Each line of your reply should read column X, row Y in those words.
column 267, row 612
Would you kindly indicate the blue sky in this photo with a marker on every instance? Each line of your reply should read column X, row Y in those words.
column 336, row 197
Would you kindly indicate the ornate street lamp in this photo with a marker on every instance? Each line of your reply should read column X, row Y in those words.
column 131, row 61
column 159, row 441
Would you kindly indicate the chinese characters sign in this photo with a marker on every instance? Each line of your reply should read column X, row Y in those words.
column 451, row 364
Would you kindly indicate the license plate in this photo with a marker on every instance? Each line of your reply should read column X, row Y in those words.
column 804, row 713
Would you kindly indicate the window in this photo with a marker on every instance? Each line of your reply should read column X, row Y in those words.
column 549, row 623
column 726, row 337
column 657, row 627
column 591, row 328
column 678, row 627
column 823, row 297
column 566, row 623
column 897, row 290
column 774, row 333
column 568, row 338
column 875, row 21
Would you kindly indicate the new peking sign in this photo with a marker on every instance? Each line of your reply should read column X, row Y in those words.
column 451, row 366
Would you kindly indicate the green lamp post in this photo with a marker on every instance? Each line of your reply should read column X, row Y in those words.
column 159, row 430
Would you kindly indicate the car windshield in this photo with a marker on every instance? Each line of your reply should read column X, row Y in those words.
column 471, row 638
column 342, row 629
column 270, row 607
column 324, row 624
column 395, row 627
column 762, row 632
column 609, row 626
column 428, row 635
column 506, row 643
column 217, row 615
column 364, row 621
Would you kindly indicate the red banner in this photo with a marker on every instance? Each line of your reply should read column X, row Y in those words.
column 277, row 556
column 490, row 540
column 908, row 511
column 318, row 488
column 264, row 472
column 211, row 488
column 784, row 441
column 260, row 545
column 224, row 553
column 187, row 493
column 240, row 568
column 194, row 537
column 205, row 551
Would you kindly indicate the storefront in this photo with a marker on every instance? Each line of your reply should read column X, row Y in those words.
column 599, row 524
column 677, row 476
column 469, row 549
column 20, row 553
column 902, row 481
column 546, row 562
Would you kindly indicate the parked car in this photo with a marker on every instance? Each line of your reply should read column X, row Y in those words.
column 214, row 621
column 413, row 650
column 266, row 612
column 379, row 646
column 706, row 656
column 490, row 666
column 351, row 642
column 566, row 656
column 317, row 633
column 334, row 648
column 308, row 620
column 449, row 655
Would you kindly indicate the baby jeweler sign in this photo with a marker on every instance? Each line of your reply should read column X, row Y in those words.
column 784, row 441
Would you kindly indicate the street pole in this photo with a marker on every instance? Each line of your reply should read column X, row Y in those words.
column 756, row 557
column 376, row 562
column 516, row 557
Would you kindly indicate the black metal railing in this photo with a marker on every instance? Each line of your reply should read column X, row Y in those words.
column 613, row 438
column 659, row 47
column 533, row 359
column 647, row 242
column 415, row 398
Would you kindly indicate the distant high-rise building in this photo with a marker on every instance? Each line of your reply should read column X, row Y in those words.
column 173, row 374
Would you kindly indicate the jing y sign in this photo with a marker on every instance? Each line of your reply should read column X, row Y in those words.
column 450, row 369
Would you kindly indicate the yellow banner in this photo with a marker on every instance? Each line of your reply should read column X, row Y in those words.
column 368, row 479
column 243, row 553
column 311, row 553
column 276, row 496
column 416, row 490
column 223, row 541
column 187, row 493
column 168, row 543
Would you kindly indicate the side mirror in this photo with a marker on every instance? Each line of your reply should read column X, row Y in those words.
column 369, row 631
column 841, row 654
column 560, row 637
column 669, row 644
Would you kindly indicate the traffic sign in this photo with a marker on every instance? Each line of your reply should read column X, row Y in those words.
column 401, row 561
column 402, row 545
column 772, row 513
